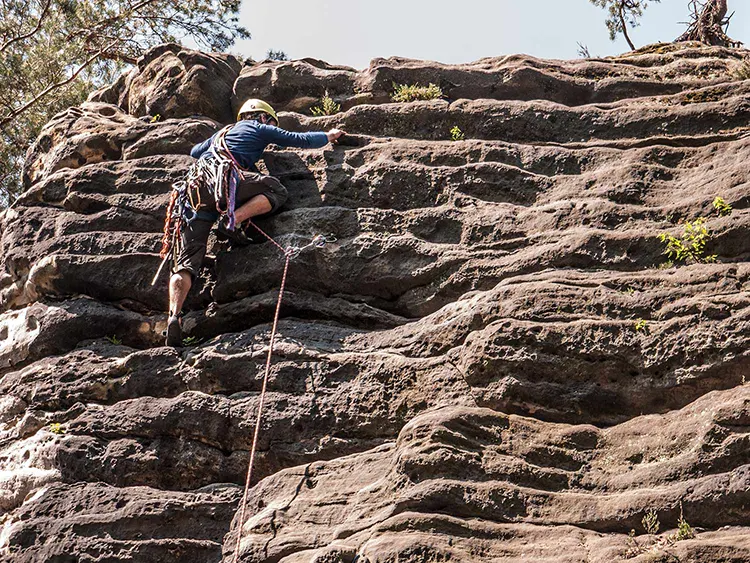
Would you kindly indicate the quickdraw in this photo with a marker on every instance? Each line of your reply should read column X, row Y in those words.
column 220, row 172
column 290, row 252
column 318, row 241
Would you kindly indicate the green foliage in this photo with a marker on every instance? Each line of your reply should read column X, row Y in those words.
column 650, row 522
column 457, row 134
column 691, row 246
column 54, row 52
column 722, row 207
column 641, row 325
column 327, row 107
column 189, row 341
column 633, row 547
column 742, row 72
column 621, row 14
column 114, row 340
column 684, row 530
column 277, row 55
column 414, row 92
column 56, row 428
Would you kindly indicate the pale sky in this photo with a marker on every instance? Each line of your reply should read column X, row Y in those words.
column 352, row 32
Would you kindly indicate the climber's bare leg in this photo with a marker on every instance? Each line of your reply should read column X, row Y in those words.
column 259, row 205
column 179, row 286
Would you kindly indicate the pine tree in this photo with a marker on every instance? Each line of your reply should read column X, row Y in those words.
column 54, row 52
column 622, row 13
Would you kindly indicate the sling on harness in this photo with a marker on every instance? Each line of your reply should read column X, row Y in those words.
column 218, row 170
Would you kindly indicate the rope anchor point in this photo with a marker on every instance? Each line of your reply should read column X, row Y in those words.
column 318, row 241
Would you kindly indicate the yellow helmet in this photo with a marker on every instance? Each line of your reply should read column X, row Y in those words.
column 256, row 106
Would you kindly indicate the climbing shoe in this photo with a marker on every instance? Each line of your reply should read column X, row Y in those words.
column 174, row 332
column 237, row 237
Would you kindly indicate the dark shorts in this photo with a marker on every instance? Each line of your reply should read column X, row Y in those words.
column 194, row 235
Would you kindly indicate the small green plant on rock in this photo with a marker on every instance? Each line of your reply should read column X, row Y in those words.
column 722, row 207
column 703, row 96
column 641, row 325
column 189, row 341
column 651, row 522
column 457, row 134
column 634, row 549
column 684, row 530
column 742, row 72
column 114, row 340
column 691, row 246
column 414, row 92
column 327, row 107
column 56, row 428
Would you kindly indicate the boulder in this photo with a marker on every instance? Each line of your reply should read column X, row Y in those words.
column 170, row 81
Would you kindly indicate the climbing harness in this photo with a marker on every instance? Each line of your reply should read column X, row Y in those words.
column 218, row 170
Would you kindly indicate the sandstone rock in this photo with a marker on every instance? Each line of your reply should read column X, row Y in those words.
column 96, row 132
column 655, row 71
column 489, row 360
column 140, row 524
column 542, row 122
column 458, row 477
column 171, row 81
column 293, row 85
column 41, row 330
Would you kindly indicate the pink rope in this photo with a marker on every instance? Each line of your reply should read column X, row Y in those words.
column 262, row 396
column 261, row 231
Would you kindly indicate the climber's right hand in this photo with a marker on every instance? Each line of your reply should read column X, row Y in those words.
column 334, row 134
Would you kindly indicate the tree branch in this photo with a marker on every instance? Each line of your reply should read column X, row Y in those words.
column 709, row 24
column 16, row 112
column 118, row 17
column 43, row 15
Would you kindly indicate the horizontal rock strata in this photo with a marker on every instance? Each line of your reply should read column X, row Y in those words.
column 489, row 360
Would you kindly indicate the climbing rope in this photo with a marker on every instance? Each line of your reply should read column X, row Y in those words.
column 289, row 252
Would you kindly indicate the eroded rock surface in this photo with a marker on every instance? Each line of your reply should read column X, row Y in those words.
column 488, row 361
column 468, row 484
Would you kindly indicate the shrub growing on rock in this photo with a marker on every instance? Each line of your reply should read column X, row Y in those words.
column 327, row 107
column 691, row 245
column 457, row 134
column 415, row 92
column 722, row 207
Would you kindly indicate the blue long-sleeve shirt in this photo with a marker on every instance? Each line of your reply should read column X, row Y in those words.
column 248, row 139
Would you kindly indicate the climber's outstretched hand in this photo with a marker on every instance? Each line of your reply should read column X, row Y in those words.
column 334, row 134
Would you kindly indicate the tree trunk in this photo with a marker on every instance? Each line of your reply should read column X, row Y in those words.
column 625, row 28
column 708, row 24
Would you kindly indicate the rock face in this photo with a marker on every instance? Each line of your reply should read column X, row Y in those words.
column 490, row 360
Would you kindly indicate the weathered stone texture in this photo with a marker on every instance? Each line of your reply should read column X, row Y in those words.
column 488, row 361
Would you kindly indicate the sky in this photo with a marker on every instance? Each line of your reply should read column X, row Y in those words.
column 352, row 32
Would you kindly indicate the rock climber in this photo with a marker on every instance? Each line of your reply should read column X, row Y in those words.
column 225, row 185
